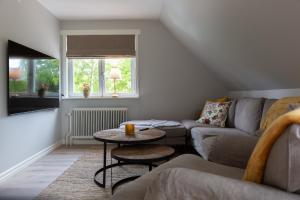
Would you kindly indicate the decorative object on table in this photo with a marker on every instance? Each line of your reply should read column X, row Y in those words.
column 42, row 90
column 115, row 74
column 152, row 123
column 129, row 129
column 86, row 90
column 214, row 113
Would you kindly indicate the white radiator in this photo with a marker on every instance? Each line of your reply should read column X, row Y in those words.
column 84, row 122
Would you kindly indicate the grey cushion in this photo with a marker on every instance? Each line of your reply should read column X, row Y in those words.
column 248, row 114
column 232, row 150
column 136, row 190
column 199, row 134
column 283, row 165
column 231, row 113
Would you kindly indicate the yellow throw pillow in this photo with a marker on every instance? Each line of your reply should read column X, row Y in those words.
column 220, row 100
column 278, row 108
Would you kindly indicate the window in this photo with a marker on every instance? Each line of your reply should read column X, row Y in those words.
column 91, row 60
column 95, row 73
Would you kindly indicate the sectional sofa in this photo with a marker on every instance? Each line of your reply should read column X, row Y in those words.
column 231, row 145
column 192, row 177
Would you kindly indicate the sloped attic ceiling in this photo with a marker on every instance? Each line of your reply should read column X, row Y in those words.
column 249, row 44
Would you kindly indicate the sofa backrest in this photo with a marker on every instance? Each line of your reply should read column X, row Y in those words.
column 268, row 103
column 231, row 114
column 263, row 108
column 248, row 112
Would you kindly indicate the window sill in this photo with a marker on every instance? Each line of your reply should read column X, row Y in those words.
column 100, row 98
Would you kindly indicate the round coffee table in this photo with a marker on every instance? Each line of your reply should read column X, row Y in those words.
column 141, row 154
column 118, row 136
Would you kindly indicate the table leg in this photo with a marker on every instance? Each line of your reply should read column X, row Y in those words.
column 119, row 146
column 104, row 164
column 103, row 169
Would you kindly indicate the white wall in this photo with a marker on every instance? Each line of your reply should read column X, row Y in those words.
column 28, row 23
column 173, row 83
column 275, row 94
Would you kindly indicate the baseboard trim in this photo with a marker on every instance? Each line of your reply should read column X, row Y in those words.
column 28, row 161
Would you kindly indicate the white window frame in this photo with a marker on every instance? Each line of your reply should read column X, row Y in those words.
column 66, row 68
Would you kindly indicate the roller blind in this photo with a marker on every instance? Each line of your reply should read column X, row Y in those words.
column 101, row 46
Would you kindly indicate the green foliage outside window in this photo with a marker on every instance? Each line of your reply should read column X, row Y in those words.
column 47, row 72
column 123, row 85
column 17, row 86
column 86, row 71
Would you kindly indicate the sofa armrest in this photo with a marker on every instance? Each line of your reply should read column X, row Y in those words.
column 181, row 183
column 232, row 150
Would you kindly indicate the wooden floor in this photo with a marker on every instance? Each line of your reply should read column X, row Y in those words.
column 28, row 183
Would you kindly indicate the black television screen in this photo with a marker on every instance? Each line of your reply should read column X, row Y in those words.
column 32, row 80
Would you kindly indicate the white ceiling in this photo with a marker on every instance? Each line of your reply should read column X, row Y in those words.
column 103, row 9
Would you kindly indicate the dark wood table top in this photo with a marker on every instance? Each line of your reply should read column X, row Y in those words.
column 142, row 153
column 119, row 136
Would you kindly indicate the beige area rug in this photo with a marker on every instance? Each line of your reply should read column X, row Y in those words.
column 77, row 182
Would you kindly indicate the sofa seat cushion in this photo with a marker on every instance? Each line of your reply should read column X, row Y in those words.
column 203, row 138
column 189, row 124
column 248, row 112
column 232, row 150
column 174, row 131
column 181, row 183
column 136, row 190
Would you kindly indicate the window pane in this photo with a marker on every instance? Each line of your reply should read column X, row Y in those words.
column 47, row 75
column 123, row 85
column 85, row 71
column 18, row 75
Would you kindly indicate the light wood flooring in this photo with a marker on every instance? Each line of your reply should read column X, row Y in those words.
column 28, row 183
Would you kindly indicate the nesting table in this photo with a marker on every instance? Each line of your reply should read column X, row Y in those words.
column 135, row 150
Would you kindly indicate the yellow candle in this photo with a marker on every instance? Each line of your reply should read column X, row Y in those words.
column 129, row 129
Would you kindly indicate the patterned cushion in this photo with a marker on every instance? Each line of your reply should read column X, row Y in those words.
column 214, row 113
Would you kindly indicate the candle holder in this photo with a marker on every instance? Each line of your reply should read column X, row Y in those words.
column 129, row 129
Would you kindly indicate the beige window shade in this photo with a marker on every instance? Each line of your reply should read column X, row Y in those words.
column 101, row 45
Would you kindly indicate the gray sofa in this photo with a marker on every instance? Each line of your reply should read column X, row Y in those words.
column 231, row 145
column 191, row 177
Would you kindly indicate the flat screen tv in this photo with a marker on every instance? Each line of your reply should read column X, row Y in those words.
column 32, row 80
